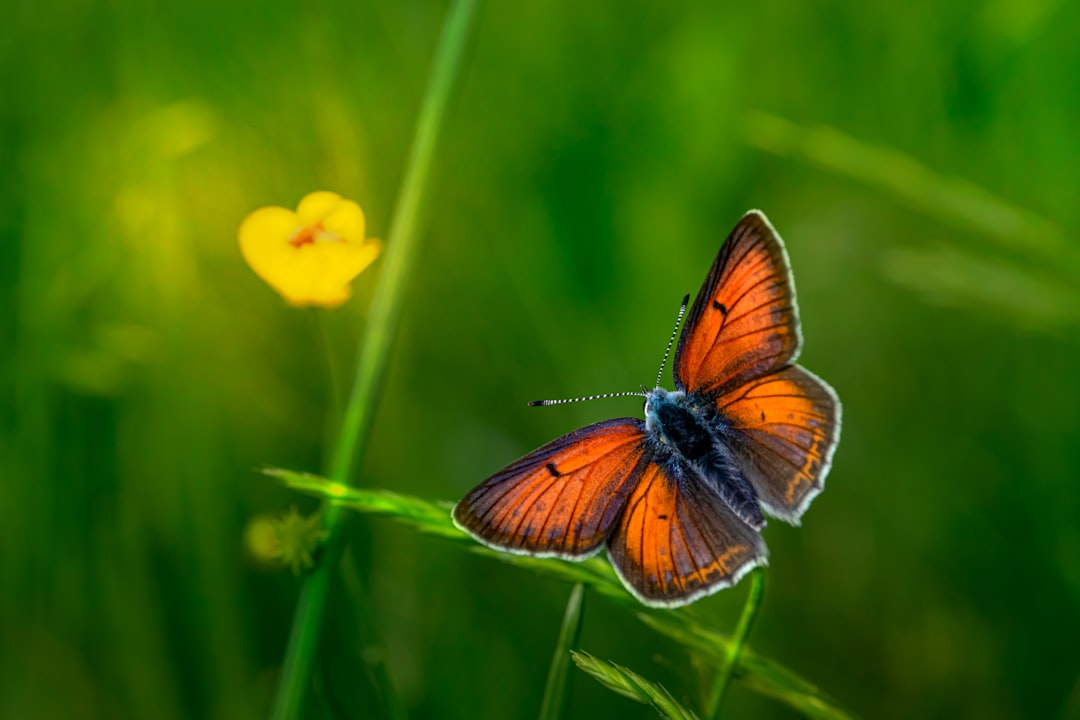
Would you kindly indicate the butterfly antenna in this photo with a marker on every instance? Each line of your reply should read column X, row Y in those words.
column 674, row 334
column 643, row 392
column 538, row 403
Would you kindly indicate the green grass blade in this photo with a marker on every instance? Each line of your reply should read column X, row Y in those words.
column 735, row 650
column 558, row 681
column 756, row 673
column 951, row 199
column 629, row 684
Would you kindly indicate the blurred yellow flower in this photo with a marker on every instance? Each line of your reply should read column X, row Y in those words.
column 309, row 256
column 298, row 538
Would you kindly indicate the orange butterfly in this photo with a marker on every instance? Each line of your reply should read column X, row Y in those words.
column 678, row 497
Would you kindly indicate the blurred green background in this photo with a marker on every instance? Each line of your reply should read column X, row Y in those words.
column 922, row 161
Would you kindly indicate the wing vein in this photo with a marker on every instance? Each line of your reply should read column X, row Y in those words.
column 689, row 552
column 788, row 461
column 704, row 539
column 754, row 286
column 733, row 338
column 542, row 531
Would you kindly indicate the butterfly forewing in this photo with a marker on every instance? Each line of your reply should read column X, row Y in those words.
column 677, row 541
column 561, row 499
column 786, row 428
column 744, row 323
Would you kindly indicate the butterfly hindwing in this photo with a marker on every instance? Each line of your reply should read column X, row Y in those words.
column 676, row 539
column 786, row 426
column 744, row 322
column 561, row 499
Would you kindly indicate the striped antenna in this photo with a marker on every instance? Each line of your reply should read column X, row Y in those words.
column 538, row 403
column 674, row 334
column 642, row 392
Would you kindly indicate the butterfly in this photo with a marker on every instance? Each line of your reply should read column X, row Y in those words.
column 679, row 498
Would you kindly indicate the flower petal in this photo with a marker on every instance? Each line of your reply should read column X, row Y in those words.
column 346, row 221
column 315, row 206
column 264, row 240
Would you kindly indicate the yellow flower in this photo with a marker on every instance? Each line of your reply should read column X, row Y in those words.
column 309, row 256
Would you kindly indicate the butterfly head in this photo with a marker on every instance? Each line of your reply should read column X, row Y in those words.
column 656, row 399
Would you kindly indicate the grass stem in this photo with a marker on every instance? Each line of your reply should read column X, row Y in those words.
column 374, row 354
column 558, row 680
column 738, row 640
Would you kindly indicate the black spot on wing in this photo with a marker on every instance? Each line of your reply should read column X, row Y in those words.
column 555, row 471
column 719, row 306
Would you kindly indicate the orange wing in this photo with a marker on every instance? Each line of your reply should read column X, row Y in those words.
column 561, row 499
column 788, row 424
column 744, row 323
column 677, row 541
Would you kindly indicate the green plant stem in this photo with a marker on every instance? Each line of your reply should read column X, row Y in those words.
column 558, row 680
column 333, row 380
column 374, row 354
column 738, row 640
